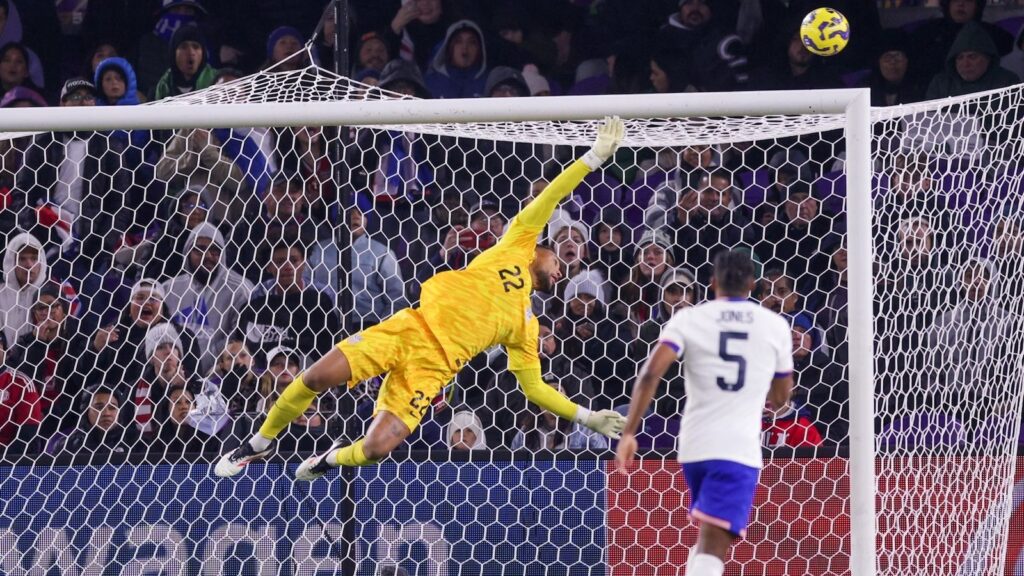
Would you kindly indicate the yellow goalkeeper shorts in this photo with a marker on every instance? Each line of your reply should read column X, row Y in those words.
column 404, row 348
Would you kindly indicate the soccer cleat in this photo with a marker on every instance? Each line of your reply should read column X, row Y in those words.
column 233, row 462
column 316, row 466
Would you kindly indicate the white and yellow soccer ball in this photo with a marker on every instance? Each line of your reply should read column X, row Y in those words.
column 825, row 32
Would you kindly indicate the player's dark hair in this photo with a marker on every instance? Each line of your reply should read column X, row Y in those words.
column 546, row 246
column 734, row 271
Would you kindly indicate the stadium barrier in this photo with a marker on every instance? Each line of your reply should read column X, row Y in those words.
column 504, row 515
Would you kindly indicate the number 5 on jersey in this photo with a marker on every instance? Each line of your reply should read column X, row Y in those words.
column 740, row 361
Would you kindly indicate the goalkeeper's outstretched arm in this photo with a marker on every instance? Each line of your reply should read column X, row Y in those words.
column 607, row 422
column 537, row 213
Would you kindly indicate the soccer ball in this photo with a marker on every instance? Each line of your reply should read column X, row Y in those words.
column 825, row 32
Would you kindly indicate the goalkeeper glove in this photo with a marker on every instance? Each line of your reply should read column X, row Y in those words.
column 607, row 422
column 609, row 135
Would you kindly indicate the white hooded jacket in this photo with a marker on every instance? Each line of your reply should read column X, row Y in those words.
column 16, row 301
column 209, row 311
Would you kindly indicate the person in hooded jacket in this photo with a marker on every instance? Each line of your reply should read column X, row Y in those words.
column 99, row 432
column 190, row 64
column 465, row 432
column 1014, row 61
column 459, row 68
column 207, row 297
column 933, row 40
column 819, row 385
column 116, row 83
column 972, row 65
column 893, row 78
column 25, row 271
column 163, row 372
column 119, row 349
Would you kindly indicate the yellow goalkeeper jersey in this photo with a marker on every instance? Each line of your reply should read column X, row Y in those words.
column 488, row 302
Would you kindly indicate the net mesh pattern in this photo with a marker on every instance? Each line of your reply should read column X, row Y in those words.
column 162, row 287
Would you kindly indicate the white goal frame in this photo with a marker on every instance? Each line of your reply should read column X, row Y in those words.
column 853, row 105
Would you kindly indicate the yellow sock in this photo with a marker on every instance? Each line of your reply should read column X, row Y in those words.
column 352, row 455
column 293, row 402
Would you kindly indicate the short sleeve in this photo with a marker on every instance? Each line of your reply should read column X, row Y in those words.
column 524, row 354
column 784, row 350
column 672, row 333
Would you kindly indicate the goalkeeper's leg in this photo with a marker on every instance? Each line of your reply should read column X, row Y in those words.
column 386, row 432
column 331, row 370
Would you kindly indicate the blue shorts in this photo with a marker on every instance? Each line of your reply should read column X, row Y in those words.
column 722, row 493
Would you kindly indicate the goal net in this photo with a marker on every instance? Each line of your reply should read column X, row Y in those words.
column 162, row 286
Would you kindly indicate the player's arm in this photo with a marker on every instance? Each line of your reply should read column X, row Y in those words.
column 607, row 422
column 537, row 213
column 781, row 391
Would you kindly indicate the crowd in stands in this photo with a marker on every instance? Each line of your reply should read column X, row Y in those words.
column 161, row 288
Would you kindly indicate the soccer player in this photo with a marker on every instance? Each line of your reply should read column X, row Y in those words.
column 737, row 355
column 461, row 313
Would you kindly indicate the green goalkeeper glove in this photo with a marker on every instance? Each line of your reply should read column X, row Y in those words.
column 607, row 422
column 609, row 135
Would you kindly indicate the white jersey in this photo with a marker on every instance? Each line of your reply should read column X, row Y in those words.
column 732, row 349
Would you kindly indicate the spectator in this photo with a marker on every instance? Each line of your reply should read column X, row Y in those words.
column 25, row 271
column 376, row 281
column 520, row 40
column 801, row 238
column 789, row 427
column 120, row 348
column 234, row 377
column 48, row 355
column 912, row 191
column 190, row 65
column 933, row 40
column 465, row 432
column 704, row 223
column 153, row 46
column 669, row 75
column 14, row 67
column 207, row 298
column 418, row 27
column 372, row 53
column 893, row 81
column 610, row 235
column 676, row 170
column 100, row 52
column 539, row 431
column 972, row 65
column 791, row 66
column 459, row 68
column 282, row 215
column 163, row 371
column 177, row 434
column 182, row 214
column 679, row 290
column 595, row 342
column 116, row 83
column 1008, row 258
column 834, row 316
column 14, row 150
column 972, row 342
column 538, row 84
column 504, row 82
column 570, row 240
column 709, row 47
column 462, row 244
column 777, row 292
column 99, row 432
column 302, row 150
column 820, row 391
column 653, row 256
column 286, row 311
column 20, row 409
column 283, row 44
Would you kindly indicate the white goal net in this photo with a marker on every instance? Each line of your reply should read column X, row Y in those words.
column 161, row 287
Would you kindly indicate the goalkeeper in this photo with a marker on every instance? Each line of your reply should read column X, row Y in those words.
column 461, row 314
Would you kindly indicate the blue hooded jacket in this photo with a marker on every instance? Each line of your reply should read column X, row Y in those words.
column 446, row 81
column 131, row 97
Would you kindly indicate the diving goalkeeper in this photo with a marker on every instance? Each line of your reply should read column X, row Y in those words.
column 461, row 314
